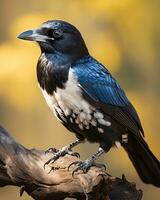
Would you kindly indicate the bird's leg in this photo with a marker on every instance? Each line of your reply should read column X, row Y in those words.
column 85, row 165
column 63, row 151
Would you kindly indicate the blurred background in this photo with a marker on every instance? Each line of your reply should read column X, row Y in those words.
column 123, row 35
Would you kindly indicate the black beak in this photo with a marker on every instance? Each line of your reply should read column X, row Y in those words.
column 34, row 35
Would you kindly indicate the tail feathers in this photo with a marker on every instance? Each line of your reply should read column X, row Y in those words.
column 145, row 163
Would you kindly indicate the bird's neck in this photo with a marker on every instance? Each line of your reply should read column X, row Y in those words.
column 60, row 59
column 52, row 71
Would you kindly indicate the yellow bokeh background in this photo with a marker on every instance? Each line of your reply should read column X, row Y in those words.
column 123, row 35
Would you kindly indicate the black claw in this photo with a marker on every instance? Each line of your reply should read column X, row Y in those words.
column 75, row 154
column 44, row 166
column 51, row 150
column 58, row 153
column 46, row 163
column 78, row 168
column 99, row 165
column 55, row 157
column 74, row 171
column 74, row 163
column 84, row 166
column 22, row 189
column 52, row 160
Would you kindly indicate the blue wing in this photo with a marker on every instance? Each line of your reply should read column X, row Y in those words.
column 99, row 85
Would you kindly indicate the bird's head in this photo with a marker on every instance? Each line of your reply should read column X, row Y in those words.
column 57, row 36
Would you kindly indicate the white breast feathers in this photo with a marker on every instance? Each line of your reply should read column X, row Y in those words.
column 68, row 99
column 70, row 102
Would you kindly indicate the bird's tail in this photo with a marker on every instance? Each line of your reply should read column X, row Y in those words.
column 145, row 163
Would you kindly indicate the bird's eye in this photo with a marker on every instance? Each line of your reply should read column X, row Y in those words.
column 54, row 33
column 57, row 33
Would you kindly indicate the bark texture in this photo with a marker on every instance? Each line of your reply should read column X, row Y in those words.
column 24, row 168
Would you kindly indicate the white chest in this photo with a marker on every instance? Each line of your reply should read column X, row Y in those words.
column 68, row 99
column 69, row 102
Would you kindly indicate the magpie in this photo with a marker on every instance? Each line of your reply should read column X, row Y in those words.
column 87, row 99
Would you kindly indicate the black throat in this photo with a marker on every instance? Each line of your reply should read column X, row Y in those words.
column 52, row 71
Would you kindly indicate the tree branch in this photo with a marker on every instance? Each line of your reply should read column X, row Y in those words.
column 24, row 167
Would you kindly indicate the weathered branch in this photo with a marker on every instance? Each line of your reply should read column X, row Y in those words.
column 24, row 167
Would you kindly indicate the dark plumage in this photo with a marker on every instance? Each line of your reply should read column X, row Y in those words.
column 87, row 99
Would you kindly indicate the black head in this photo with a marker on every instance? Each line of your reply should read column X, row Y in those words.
column 56, row 36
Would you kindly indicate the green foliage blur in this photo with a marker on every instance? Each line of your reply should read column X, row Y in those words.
column 123, row 35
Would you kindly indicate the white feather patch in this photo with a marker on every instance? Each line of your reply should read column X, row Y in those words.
column 104, row 122
column 71, row 96
column 100, row 130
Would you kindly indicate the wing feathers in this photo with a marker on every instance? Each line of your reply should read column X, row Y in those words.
column 101, row 88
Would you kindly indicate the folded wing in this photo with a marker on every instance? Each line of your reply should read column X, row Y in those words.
column 100, row 88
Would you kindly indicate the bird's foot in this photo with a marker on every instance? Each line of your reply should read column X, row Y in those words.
column 59, row 153
column 85, row 165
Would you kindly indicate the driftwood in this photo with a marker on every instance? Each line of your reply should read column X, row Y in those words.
column 24, row 168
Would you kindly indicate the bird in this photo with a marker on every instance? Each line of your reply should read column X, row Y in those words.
column 88, row 100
